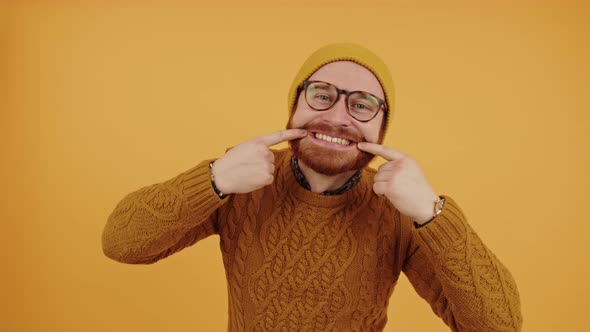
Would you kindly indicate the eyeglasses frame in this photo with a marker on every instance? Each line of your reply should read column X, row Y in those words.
column 306, row 83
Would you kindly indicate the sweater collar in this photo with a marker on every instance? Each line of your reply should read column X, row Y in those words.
column 305, row 184
column 354, row 197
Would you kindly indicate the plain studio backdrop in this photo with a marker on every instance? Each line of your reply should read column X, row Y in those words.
column 101, row 99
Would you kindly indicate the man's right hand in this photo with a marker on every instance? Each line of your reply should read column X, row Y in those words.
column 250, row 165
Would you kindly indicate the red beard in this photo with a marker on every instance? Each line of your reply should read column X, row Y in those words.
column 325, row 160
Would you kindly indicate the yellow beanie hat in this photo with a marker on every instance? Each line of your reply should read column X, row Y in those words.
column 345, row 52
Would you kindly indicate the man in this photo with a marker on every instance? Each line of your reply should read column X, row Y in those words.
column 313, row 239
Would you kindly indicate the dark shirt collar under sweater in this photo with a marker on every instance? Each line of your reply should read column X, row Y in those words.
column 303, row 181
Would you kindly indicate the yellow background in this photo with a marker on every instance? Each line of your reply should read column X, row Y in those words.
column 100, row 99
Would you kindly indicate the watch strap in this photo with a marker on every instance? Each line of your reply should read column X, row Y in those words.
column 438, row 208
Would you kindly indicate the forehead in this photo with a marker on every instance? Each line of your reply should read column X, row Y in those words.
column 350, row 76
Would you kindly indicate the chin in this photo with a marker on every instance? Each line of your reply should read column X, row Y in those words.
column 329, row 161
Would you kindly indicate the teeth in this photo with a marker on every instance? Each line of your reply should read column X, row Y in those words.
column 327, row 138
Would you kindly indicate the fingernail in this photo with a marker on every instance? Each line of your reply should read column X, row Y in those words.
column 361, row 144
column 302, row 132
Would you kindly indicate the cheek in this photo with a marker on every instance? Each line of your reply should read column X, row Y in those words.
column 302, row 114
column 296, row 119
column 373, row 129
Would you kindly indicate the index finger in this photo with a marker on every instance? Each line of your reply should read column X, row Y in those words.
column 387, row 153
column 282, row 136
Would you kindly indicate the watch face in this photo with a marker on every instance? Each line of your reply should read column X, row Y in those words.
column 440, row 205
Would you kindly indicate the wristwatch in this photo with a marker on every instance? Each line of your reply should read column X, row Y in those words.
column 438, row 208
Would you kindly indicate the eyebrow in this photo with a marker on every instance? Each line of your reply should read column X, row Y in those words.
column 321, row 86
column 325, row 86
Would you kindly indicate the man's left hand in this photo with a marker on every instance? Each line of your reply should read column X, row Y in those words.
column 401, row 180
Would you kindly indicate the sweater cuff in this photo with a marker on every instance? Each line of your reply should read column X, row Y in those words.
column 197, row 189
column 444, row 230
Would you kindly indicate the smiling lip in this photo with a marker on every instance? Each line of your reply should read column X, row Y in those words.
column 337, row 144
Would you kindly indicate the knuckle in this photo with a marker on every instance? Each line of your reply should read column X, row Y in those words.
column 268, row 153
column 391, row 185
column 386, row 167
column 261, row 151
column 250, row 146
column 405, row 163
column 269, row 179
column 376, row 186
column 261, row 146
column 408, row 158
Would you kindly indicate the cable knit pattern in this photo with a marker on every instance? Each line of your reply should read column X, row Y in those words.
column 467, row 271
column 299, row 261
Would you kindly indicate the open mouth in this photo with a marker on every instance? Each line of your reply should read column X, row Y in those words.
column 334, row 142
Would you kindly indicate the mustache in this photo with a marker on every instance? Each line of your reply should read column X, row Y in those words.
column 341, row 132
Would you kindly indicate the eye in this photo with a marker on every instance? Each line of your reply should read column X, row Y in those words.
column 361, row 107
column 323, row 97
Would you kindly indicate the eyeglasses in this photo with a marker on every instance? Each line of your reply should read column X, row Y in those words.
column 361, row 105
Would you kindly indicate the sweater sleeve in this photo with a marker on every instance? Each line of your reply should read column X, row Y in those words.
column 158, row 220
column 462, row 280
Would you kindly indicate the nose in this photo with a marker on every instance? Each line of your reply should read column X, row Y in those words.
column 338, row 115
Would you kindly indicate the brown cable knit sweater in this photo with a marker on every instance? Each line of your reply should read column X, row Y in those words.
column 300, row 261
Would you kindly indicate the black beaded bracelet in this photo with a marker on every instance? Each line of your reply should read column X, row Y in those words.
column 219, row 193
